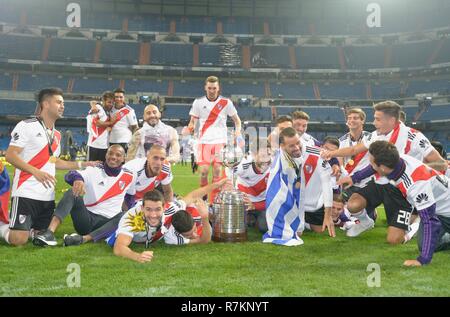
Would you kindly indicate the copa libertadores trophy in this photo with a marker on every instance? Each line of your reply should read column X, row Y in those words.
column 228, row 207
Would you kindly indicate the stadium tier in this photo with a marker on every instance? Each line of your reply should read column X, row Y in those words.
column 193, row 88
column 312, row 19
column 127, row 52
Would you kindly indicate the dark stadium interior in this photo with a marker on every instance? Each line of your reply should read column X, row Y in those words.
column 319, row 56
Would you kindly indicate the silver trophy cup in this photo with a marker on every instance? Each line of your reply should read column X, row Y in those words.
column 228, row 207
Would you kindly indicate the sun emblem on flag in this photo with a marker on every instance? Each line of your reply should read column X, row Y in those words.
column 136, row 222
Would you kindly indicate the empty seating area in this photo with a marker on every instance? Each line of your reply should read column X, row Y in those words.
column 436, row 112
column 292, row 90
column 119, row 52
column 310, row 18
column 21, row 47
column 71, row 50
column 316, row 113
column 342, row 91
column 127, row 52
column 171, row 54
column 194, row 88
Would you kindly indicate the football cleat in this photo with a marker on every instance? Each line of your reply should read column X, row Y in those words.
column 364, row 224
column 44, row 238
column 73, row 239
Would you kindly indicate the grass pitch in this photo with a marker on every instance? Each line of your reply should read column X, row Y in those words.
column 323, row 266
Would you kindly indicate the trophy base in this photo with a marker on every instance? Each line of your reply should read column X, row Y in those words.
column 230, row 237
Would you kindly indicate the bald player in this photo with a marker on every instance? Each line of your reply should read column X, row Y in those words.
column 154, row 131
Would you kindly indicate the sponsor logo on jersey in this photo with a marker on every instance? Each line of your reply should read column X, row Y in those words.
column 422, row 197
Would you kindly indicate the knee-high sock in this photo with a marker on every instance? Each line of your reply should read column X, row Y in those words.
column 4, row 231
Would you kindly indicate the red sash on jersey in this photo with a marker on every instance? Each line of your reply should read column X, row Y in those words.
column 256, row 189
column 312, row 162
column 408, row 142
column 40, row 159
column 97, row 130
column 395, row 133
column 120, row 114
column 213, row 115
column 160, row 177
column 349, row 168
column 422, row 173
column 118, row 187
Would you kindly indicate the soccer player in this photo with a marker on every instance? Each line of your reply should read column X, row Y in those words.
column 212, row 111
column 123, row 119
column 356, row 118
column 151, row 219
column 408, row 141
column 252, row 174
column 97, row 124
column 424, row 188
column 317, row 192
column 34, row 149
column 300, row 121
column 282, row 122
column 150, row 172
column 190, row 225
column 285, row 201
column 154, row 131
column 97, row 213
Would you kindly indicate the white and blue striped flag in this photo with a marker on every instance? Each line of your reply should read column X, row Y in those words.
column 284, row 213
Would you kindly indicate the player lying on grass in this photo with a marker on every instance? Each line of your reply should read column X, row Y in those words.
column 180, row 222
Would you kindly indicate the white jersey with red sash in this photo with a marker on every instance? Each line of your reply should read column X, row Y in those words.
column 143, row 183
column 123, row 119
column 160, row 134
column 316, row 179
column 98, row 136
column 407, row 141
column 133, row 224
column 104, row 194
column 212, row 116
column 251, row 182
column 31, row 136
column 171, row 236
column 359, row 161
column 423, row 186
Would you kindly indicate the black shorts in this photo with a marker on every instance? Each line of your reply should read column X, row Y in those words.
column 29, row 213
column 315, row 217
column 398, row 210
column 95, row 154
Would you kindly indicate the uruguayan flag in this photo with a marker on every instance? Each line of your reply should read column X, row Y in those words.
column 284, row 212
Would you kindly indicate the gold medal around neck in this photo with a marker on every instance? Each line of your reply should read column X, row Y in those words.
column 297, row 185
column 351, row 162
column 52, row 159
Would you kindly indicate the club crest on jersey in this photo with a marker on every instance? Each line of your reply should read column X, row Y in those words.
column 22, row 218
column 121, row 185
column 308, row 168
